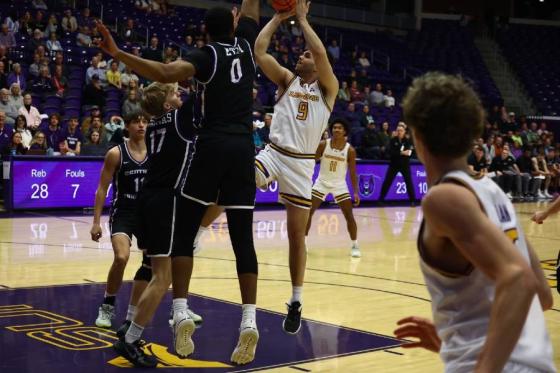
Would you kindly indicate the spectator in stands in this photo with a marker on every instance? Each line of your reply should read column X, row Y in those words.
column 59, row 61
column 143, row 5
column 131, row 104
column 53, row 132
column 127, row 77
column 102, row 63
column 15, row 96
column 86, row 19
column 384, row 136
column 39, row 23
column 516, row 138
column 189, row 42
column 114, row 75
column 389, row 99
column 344, row 92
column 477, row 162
column 264, row 131
column 553, row 168
column 377, row 97
column 115, row 127
column 532, row 134
column 128, row 33
column 53, row 45
column 133, row 86
column 371, row 145
column 355, row 94
column 53, row 27
column 510, row 124
column 540, row 170
column 39, row 4
column 94, row 95
column 363, row 60
column 26, row 24
column 21, row 127
column 258, row 108
column 6, row 132
column 34, row 67
column 153, row 52
column 120, row 65
column 12, row 22
column 72, row 138
column 35, row 41
column 93, row 145
column 30, row 112
column 43, row 85
column 7, row 38
column 352, row 116
column 334, row 50
column 95, row 69
column 96, row 125
column 59, row 81
column 69, row 22
column 7, row 107
column 39, row 142
column 525, row 165
column 363, row 79
column 83, row 39
column 366, row 117
column 15, row 147
column 506, row 171
column 542, row 129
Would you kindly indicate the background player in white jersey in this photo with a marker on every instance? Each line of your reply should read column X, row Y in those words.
column 337, row 157
column 125, row 165
column 487, row 287
column 301, row 116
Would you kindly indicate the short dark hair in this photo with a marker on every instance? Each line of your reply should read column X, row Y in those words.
column 445, row 112
column 219, row 23
column 134, row 115
column 341, row 121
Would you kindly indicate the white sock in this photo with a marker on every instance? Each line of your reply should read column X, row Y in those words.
column 305, row 241
column 131, row 312
column 355, row 243
column 134, row 333
column 249, row 316
column 109, row 295
column 296, row 294
column 179, row 305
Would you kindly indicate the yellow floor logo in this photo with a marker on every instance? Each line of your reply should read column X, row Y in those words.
column 549, row 268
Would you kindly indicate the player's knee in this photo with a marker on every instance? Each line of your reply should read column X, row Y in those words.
column 247, row 262
column 121, row 259
column 143, row 274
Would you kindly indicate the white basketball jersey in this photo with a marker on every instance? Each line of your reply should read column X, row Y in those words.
column 334, row 164
column 300, row 118
column 461, row 305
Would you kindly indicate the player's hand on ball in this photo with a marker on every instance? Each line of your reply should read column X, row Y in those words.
column 96, row 232
column 539, row 217
column 420, row 328
column 356, row 199
column 302, row 8
column 282, row 16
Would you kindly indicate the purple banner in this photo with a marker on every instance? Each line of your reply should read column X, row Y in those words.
column 71, row 183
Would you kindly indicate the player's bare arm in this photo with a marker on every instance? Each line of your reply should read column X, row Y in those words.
column 110, row 165
column 353, row 174
column 268, row 64
column 540, row 216
column 320, row 150
column 250, row 9
column 453, row 212
column 327, row 79
column 164, row 73
column 543, row 290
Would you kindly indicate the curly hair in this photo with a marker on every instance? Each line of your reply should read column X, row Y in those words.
column 445, row 112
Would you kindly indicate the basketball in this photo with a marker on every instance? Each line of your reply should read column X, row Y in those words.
column 282, row 6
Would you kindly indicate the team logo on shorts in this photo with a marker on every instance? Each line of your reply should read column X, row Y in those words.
column 367, row 184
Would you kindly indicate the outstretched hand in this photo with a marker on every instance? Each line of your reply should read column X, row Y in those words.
column 107, row 43
column 302, row 8
column 539, row 217
column 421, row 328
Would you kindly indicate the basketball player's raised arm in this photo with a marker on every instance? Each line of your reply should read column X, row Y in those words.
column 353, row 175
column 110, row 165
column 268, row 64
column 250, row 9
column 454, row 213
column 164, row 73
column 327, row 79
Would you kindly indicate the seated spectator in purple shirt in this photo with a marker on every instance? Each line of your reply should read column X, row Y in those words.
column 39, row 142
column 7, row 38
column 52, row 132
column 352, row 116
column 6, row 132
column 73, row 138
column 43, row 84
column 16, row 76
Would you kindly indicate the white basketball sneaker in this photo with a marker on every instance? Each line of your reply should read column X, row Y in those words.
column 244, row 352
column 106, row 314
column 183, row 329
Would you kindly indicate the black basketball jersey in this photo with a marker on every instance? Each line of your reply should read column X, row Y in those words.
column 224, row 103
column 169, row 141
column 129, row 178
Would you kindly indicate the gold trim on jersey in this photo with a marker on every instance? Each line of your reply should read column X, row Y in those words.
column 290, row 153
column 296, row 200
column 287, row 89
column 262, row 168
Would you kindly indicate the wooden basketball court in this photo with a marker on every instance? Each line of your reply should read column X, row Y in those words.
column 353, row 299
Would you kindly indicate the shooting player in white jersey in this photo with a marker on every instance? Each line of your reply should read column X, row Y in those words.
column 487, row 287
column 337, row 157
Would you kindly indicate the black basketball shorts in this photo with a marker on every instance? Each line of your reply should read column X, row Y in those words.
column 123, row 220
column 222, row 171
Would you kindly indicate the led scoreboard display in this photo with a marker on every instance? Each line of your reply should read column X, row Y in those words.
column 38, row 182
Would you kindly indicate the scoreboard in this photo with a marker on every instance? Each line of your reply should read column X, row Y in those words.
column 39, row 182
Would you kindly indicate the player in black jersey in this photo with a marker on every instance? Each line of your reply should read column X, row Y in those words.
column 221, row 170
column 125, row 165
